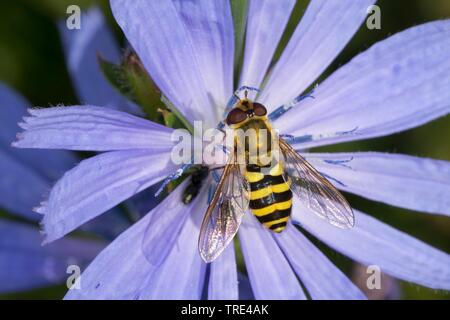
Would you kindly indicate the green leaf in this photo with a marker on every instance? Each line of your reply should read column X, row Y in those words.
column 170, row 120
column 132, row 80
column 170, row 107
column 239, row 10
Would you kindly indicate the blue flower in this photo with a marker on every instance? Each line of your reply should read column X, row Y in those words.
column 27, row 175
column 188, row 49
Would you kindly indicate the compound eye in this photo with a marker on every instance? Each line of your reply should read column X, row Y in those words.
column 259, row 109
column 236, row 116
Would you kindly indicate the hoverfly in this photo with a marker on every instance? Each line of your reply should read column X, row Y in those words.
column 267, row 192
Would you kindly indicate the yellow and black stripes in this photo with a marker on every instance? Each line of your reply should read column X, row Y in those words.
column 270, row 197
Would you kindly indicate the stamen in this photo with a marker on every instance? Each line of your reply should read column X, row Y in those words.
column 215, row 175
column 235, row 97
column 309, row 137
column 223, row 148
column 334, row 179
column 342, row 163
column 278, row 112
column 172, row 177
column 211, row 191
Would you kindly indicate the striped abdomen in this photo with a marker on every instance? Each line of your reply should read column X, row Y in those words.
column 270, row 198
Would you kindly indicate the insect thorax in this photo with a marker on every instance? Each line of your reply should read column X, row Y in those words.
column 255, row 142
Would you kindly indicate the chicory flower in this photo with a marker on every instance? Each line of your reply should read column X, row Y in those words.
column 187, row 48
column 27, row 175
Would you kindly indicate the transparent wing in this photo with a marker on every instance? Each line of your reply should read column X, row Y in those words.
column 224, row 213
column 314, row 190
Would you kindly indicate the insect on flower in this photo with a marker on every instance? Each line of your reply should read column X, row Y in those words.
column 188, row 50
column 262, row 173
column 265, row 183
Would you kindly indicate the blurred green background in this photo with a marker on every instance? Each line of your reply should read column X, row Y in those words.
column 32, row 62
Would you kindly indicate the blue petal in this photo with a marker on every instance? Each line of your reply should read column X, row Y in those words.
column 245, row 288
column 122, row 271
column 223, row 278
column 270, row 275
column 82, row 48
column 265, row 25
column 210, row 27
column 182, row 275
column 410, row 182
column 119, row 270
column 143, row 202
column 164, row 44
column 372, row 242
column 49, row 164
column 26, row 174
column 25, row 264
column 98, row 184
column 397, row 84
column 109, row 225
column 325, row 29
column 91, row 128
column 13, row 108
column 166, row 224
column 21, row 188
column 321, row 277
